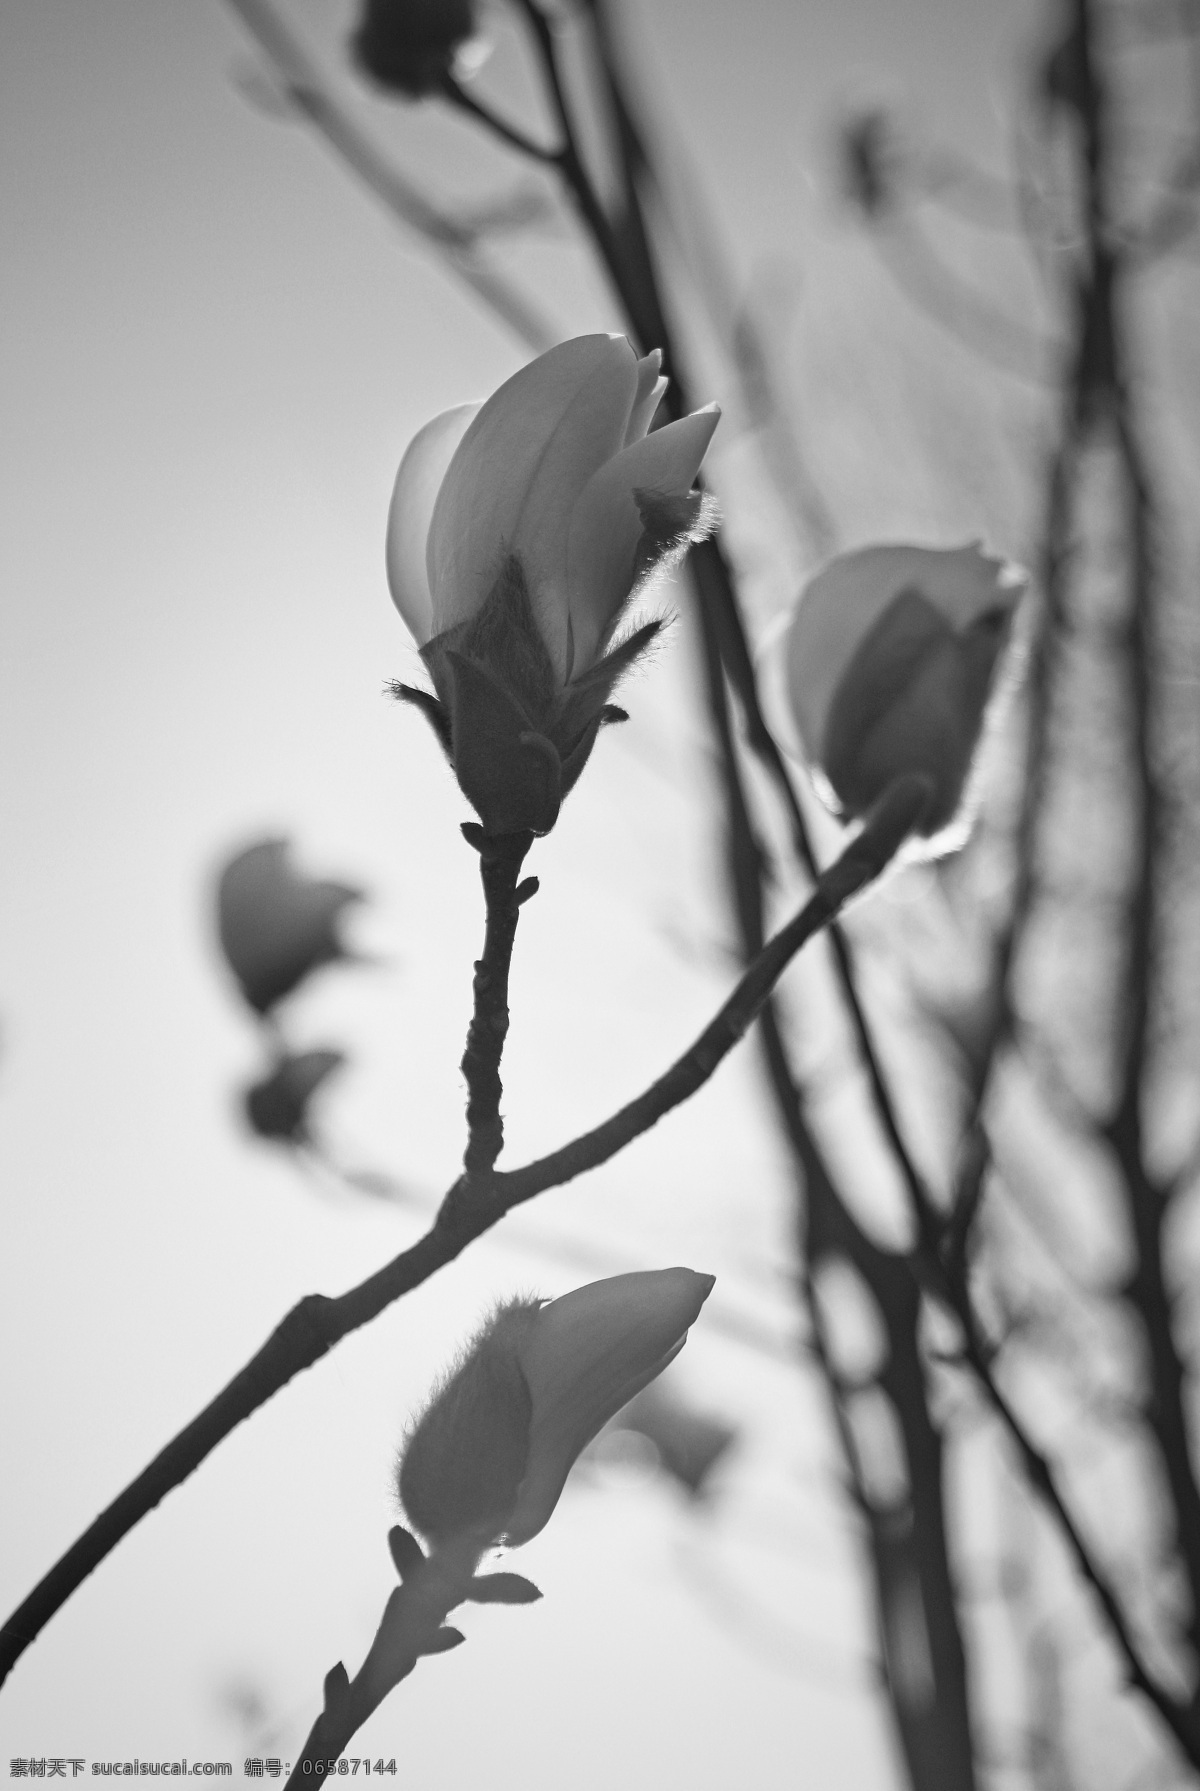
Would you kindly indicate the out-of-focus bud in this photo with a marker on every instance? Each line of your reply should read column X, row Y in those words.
column 277, row 1107
column 890, row 659
column 1066, row 74
column 687, row 1444
column 519, row 531
column 491, row 1453
column 275, row 926
column 407, row 46
column 869, row 163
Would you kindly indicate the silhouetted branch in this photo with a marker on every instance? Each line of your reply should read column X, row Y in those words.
column 472, row 1206
column 457, row 243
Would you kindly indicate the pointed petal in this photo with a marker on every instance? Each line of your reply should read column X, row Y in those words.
column 519, row 467
column 584, row 1357
column 606, row 524
column 413, row 496
column 650, row 388
column 842, row 603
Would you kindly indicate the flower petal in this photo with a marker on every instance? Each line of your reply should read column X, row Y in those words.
column 606, row 524
column 849, row 595
column 650, row 388
column 413, row 496
column 519, row 467
column 584, row 1357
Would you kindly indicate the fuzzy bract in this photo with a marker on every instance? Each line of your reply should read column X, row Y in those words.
column 491, row 1453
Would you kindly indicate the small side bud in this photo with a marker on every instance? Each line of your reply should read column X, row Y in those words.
column 275, row 926
column 443, row 1639
column 277, row 1107
column 408, row 46
column 870, row 164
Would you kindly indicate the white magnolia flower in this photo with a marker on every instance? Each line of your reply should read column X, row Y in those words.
column 491, row 1453
column 890, row 659
column 518, row 531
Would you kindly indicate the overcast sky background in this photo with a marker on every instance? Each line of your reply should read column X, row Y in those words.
column 215, row 348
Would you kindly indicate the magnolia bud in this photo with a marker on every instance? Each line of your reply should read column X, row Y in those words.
column 277, row 1106
column 891, row 659
column 869, row 163
column 491, row 1453
column 276, row 927
column 520, row 532
column 408, row 45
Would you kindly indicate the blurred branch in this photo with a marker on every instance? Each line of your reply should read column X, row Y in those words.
column 457, row 243
column 472, row 1206
column 970, row 193
column 680, row 208
column 499, row 127
column 723, row 632
column 956, row 307
column 1095, row 394
column 1177, row 215
column 1107, row 403
column 937, row 1734
column 726, row 647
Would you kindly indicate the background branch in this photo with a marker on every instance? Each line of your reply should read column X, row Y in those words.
column 456, row 243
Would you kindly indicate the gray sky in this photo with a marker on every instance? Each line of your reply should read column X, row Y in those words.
column 215, row 349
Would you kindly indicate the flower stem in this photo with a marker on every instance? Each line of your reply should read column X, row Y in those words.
column 500, row 859
column 412, row 1620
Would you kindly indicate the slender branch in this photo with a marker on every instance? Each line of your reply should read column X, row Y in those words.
column 456, row 243
column 472, row 1206
column 574, row 174
column 1178, row 1719
column 500, row 862
column 499, row 127
column 1146, row 1196
column 957, row 308
column 862, row 860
